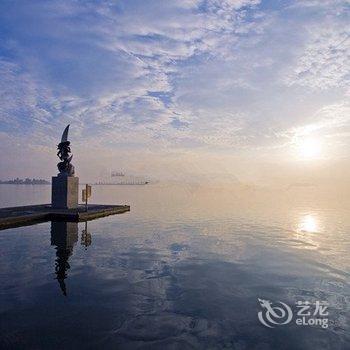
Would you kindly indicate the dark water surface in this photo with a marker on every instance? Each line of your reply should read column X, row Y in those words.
column 183, row 270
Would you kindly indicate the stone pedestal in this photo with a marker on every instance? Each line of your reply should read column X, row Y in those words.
column 65, row 192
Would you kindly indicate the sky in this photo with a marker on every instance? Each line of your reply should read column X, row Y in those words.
column 217, row 90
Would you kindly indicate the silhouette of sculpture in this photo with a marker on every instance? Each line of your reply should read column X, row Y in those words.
column 65, row 186
column 64, row 166
column 64, row 235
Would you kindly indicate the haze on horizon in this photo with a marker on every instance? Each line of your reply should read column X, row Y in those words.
column 178, row 90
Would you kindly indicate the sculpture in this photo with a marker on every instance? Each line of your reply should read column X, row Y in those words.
column 64, row 166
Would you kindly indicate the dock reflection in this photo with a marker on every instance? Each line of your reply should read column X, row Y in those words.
column 85, row 237
column 64, row 236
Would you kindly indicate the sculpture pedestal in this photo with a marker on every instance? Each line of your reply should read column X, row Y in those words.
column 65, row 192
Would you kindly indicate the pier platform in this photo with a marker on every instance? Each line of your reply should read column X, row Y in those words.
column 32, row 214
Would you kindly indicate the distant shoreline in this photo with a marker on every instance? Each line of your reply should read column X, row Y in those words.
column 11, row 183
column 26, row 181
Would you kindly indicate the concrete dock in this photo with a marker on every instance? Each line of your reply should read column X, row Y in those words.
column 32, row 214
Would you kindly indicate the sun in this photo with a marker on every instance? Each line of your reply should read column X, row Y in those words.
column 309, row 148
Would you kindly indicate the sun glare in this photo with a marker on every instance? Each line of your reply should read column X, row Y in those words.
column 308, row 224
column 307, row 228
column 309, row 148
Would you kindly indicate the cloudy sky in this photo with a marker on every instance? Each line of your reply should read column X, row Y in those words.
column 257, row 90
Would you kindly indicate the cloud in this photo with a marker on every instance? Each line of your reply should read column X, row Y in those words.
column 329, row 121
column 324, row 63
column 184, row 75
column 335, row 5
column 114, row 55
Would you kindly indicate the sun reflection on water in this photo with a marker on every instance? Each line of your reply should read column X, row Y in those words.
column 308, row 223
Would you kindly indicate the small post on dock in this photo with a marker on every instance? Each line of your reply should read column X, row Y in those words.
column 86, row 193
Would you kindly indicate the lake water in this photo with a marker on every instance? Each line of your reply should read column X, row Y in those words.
column 184, row 269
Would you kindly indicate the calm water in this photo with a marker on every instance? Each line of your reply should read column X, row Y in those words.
column 183, row 270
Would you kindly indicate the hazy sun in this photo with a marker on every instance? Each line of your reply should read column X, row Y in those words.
column 309, row 148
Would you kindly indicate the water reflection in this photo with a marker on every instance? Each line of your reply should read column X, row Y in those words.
column 85, row 237
column 308, row 223
column 64, row 236
column 185, row 273
column 307, row 228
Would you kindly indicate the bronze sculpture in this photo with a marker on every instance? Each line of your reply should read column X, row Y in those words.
column 64, row 166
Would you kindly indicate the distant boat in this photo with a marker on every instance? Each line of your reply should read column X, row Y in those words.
column 127, row 182
column 117, row 173
column 119, row 178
